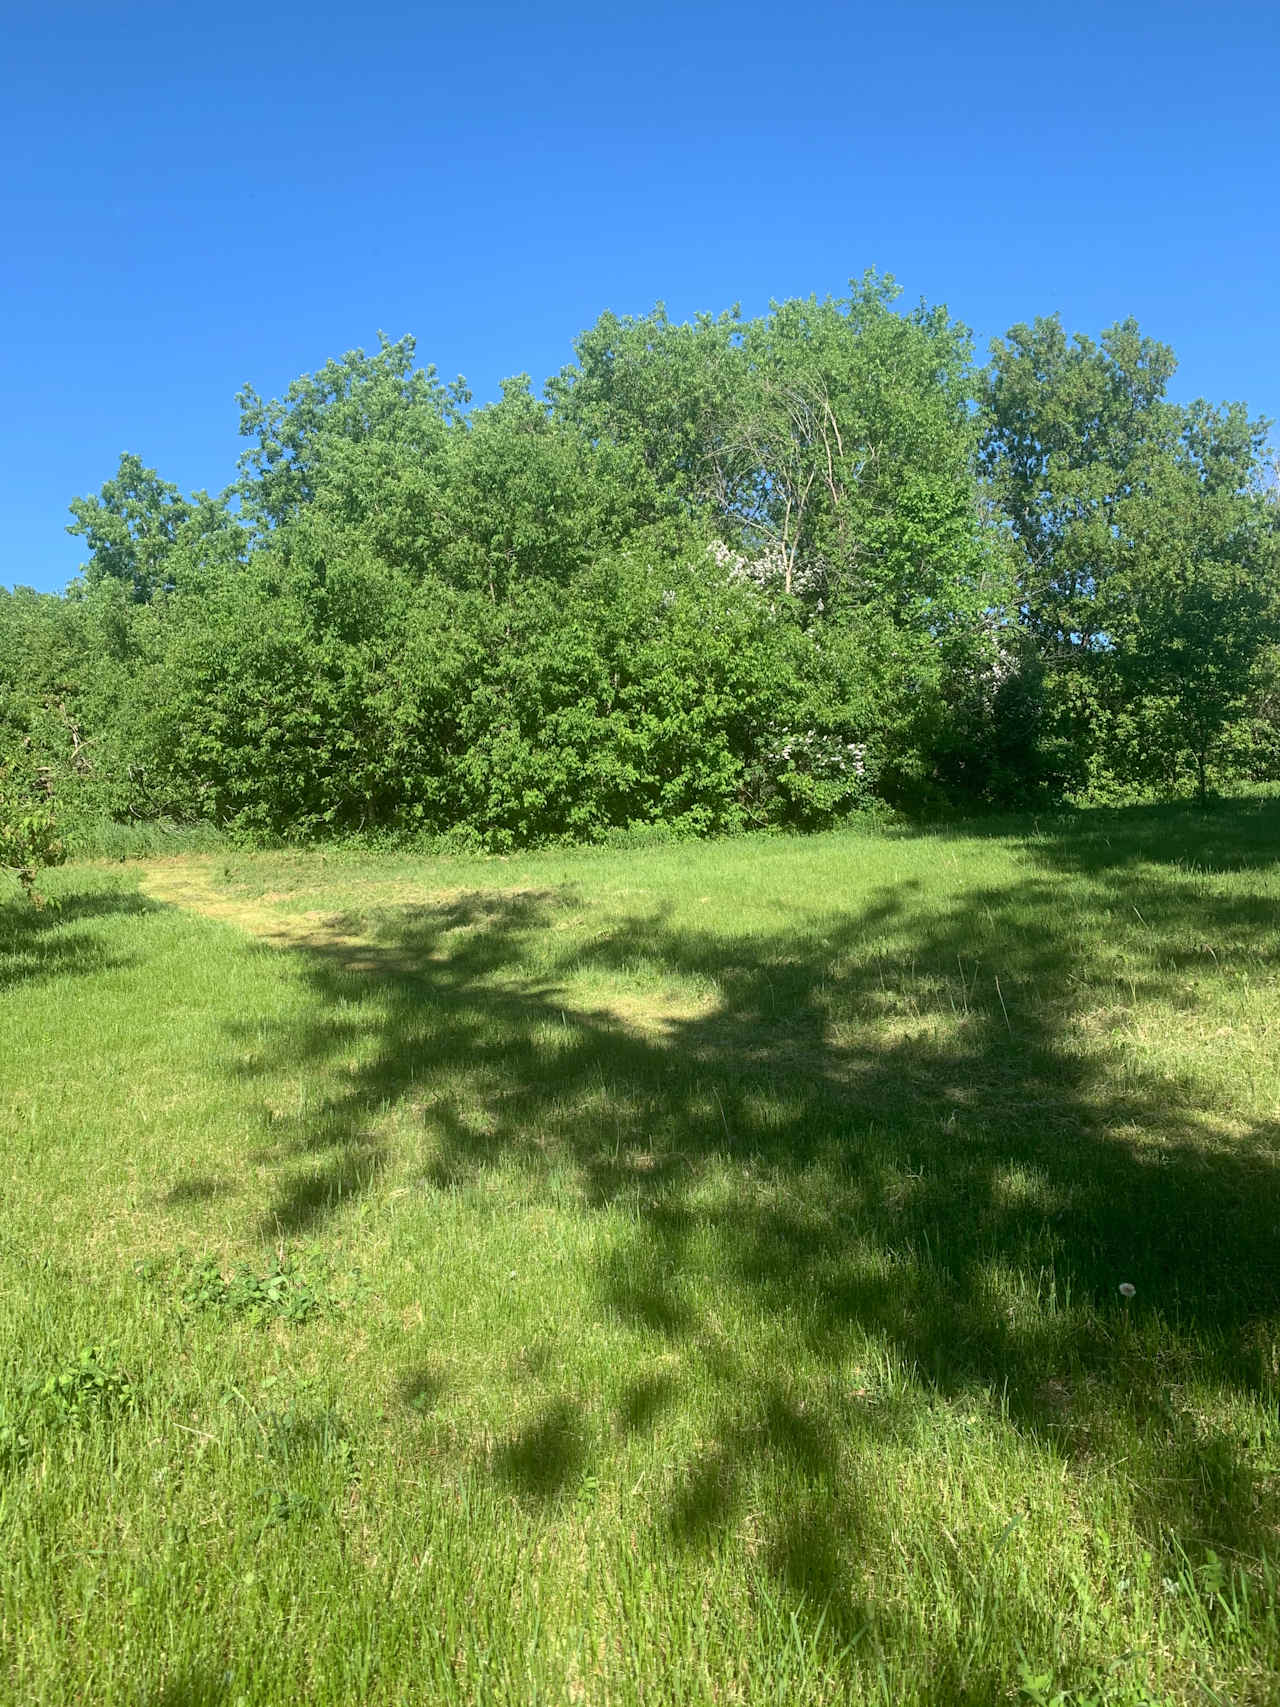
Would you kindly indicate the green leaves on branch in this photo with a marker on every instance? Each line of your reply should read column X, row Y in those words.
column 795, row 437
column 29, row 838
column 144, row 536
column 1147, row 557
column 724, row 572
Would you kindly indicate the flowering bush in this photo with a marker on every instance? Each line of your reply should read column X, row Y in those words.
column 766, row 571
column 810, row 777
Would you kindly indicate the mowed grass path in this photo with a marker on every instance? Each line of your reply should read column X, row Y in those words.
column 682, row 1275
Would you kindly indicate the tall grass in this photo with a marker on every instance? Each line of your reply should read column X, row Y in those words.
column 102, row 837
column 684, row 1274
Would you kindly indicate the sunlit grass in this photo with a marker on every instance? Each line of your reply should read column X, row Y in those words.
column 717, row 1256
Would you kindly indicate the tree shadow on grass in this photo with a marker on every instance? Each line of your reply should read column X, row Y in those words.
column 196, row 1189
column 544, row 1457
column 190, row 1689
column 894, row 1126
column 433, row 961
column 1225, row 836
column 40, row 943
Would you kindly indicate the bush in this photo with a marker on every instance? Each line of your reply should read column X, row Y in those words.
column 29, row 838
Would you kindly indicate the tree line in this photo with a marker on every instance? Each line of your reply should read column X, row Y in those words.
column 721, row 573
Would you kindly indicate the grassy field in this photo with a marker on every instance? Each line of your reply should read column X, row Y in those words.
column 686, row 1275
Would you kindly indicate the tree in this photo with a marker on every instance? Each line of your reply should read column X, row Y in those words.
column 857, row 411
column 672, row 392
column 142, row 533
column 518, row 495
column 1069, row 432
column 796, row 433
column 306, row 439
column 1137, row 527
column 131, row 527
column 29, row 839
column 727, row 571
column 1194, row 605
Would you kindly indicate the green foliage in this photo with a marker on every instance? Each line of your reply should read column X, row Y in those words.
column 290, row 1290
column 638, row 699
column 85, row 1388
column 1070, row 429
column 252, row 706
column 521, row 497
column 131, row 528
column 1148, row 565
column 737, row 571
column 77, row 1392
column 320, row 434
column 830, row 440
column 29, row 838
column 143, row 535
column 1195, row 607
column 45, row 647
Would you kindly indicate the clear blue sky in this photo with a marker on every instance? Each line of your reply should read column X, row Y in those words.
column 198, row 196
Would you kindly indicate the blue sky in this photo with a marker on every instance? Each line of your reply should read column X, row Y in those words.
column 195, row 197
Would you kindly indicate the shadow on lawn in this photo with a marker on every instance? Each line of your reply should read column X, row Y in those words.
column 1237, row 835
column 190, row 1689
column 45, row 942
column 433, row 970
column 918, row 1154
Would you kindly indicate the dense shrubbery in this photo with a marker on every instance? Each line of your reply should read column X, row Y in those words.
column 729, row 573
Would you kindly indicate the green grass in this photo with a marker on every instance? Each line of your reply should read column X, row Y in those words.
column 688, row 1274
column 101, row 838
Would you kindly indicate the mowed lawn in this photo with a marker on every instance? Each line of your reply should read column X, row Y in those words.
column 685, row 1275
